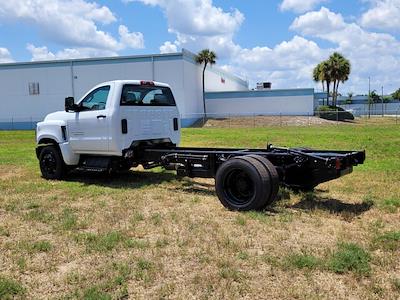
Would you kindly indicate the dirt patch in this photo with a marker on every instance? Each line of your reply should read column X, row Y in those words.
column 10, row 172
column 263, row 121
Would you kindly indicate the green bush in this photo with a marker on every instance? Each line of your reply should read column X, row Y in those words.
column 334, row 113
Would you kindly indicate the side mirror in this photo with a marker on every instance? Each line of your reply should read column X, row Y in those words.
column 70, row 104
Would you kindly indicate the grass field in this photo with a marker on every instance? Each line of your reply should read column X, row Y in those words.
column 153, row 235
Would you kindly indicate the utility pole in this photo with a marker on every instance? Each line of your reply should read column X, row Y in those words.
column 382, row 101
column 369, row 97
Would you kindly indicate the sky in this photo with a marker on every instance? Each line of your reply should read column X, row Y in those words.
column 279, row 41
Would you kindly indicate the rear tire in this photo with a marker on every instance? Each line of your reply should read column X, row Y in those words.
column 51, row 163
column 273, row 173
column 242, row 184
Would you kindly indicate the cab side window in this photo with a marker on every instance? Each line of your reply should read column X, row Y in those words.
column 96, row 100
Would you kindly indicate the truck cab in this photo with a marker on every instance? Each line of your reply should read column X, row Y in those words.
column 107, row 122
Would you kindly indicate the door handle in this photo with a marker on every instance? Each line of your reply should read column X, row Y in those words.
column 176, row 125
column 101, row 117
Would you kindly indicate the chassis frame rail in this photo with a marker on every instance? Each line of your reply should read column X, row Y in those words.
column 297, row 167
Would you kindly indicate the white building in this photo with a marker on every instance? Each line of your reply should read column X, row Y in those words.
column 299, row 102
column 30, row 90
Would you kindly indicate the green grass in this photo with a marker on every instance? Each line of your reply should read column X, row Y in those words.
column 150, row 234
column 350, row 257
column 381, row 156
column 229, row 272
column 396, row 284
column 240, row 220
column 68, row 220
column 391, row 204
column 39, row 215
column 42, row 246
column 388, row 241
column 102, row 242
column 156, row 219
column 4, row 231
column 10, row 289
column 302, row 261
column 111, row 282
column 259, row 216
column 144, row 270
column 35, row 247
column 95, row 293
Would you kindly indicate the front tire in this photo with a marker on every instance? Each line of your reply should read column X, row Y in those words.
column 51, row 163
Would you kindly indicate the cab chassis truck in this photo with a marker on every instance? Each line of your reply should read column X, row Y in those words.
column 125, row 123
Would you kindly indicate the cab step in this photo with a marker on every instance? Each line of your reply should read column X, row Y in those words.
column 95, row 163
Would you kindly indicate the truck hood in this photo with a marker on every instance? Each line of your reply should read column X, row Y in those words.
column 58, row 116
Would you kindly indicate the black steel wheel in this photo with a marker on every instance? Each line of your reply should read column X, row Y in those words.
column 239, row 186
column 51, row 163
column 273, row 173
column 243, row 183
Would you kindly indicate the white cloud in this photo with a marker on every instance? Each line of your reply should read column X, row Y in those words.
column 168, row 47
column 43, row 53
column 66, row 22
column 5, row 55
column 130, row 39
column 318, row 22
column 70, row 22
column 288, row 64
column 371, row 54
column 198, row 17
column 384, row 15
column 199, row 24
column 300, row 6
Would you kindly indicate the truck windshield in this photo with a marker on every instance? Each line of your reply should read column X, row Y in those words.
column 140, row 95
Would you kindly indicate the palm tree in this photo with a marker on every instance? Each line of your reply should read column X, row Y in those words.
column 319, row 76
column 205, row 57
column 350, row 97
column 340, row 70
column 334, row 70
column 326, row 71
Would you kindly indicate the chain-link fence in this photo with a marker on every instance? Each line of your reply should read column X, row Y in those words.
column 249, row 120
column 19, row 123
column 317, row 118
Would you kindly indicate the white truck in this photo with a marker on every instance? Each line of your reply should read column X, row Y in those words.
column 125, row 123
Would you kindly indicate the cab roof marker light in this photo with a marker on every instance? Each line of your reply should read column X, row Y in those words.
column 144, row 82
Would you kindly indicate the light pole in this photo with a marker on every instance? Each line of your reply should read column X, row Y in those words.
column 382, row 101
column 369, row 97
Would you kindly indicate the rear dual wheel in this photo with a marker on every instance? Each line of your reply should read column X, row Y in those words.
column 247, row 183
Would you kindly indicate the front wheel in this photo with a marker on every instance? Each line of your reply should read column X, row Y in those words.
column 51, row 163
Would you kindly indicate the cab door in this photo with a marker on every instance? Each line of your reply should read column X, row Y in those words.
column 89, row 130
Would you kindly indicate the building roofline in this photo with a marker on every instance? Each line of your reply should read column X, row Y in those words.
column 215, row 69
column 105, row 58
column 184, row 54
